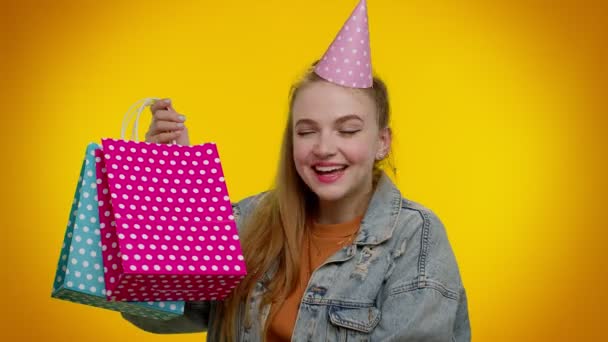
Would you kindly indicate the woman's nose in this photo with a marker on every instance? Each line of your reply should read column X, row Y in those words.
column 324, row 146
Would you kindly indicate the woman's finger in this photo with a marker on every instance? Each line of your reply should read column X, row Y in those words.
column 162, row 104
column 165, row 126
column 168, row 115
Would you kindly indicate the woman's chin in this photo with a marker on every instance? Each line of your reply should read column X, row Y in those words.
column 326, row 194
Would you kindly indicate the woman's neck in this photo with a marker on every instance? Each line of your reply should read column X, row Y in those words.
column 344, row 209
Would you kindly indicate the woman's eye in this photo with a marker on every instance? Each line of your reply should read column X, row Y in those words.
column 303, row 133
column 350, row 131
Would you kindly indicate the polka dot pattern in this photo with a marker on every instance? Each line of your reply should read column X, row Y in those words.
column 80, row 275
column 168, row 224
column 347, row 62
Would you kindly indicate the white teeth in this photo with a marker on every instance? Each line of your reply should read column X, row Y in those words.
column 328, row 168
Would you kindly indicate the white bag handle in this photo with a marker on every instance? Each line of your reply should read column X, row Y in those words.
column 135, row 111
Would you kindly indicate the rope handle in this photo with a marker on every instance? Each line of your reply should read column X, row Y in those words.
column 135, row 111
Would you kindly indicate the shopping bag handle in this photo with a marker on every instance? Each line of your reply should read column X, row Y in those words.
column 135, row 111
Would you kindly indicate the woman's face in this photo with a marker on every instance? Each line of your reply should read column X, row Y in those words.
column 336, row 140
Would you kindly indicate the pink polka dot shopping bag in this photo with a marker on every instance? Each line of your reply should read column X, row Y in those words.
column 168, row 230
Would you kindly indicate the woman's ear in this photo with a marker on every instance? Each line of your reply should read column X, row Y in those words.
column 384, row 138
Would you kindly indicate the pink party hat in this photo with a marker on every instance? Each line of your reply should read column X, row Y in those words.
column 347, row 62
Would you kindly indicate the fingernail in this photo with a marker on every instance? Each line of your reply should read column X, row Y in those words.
column 181, row 118
column 180, row 125
column 168, row 101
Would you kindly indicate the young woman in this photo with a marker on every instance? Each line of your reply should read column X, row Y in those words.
column 333, row 251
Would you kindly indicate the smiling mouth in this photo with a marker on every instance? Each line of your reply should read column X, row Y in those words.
column 328, row 170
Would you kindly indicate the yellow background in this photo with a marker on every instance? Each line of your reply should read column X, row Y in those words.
column 499, row 108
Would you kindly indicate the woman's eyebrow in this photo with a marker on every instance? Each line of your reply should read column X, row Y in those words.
column 337, row 121
column 305, row 121
column 348, row 117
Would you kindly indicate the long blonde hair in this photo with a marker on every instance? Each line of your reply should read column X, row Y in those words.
column 272, row 233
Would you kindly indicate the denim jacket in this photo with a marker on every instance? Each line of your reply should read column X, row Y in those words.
column 398, row 281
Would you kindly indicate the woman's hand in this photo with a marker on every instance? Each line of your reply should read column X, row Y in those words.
column 167, row 125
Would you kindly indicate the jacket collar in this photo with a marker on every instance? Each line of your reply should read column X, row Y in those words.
column 382, row 213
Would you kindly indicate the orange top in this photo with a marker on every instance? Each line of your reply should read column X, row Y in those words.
column 318, row 244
